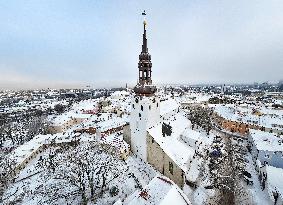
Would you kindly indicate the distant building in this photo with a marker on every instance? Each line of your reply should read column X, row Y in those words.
column 67, row 120
column 241, row 118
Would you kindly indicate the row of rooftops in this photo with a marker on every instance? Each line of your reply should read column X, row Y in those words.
column 26, row 150
column 103, row 122
column 254, row 115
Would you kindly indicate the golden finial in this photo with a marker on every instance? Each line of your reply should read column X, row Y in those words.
column 144, row 14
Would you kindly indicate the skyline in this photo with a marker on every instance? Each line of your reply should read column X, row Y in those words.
column 69, row 43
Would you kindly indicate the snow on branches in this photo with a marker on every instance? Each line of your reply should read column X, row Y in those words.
column 81, row 172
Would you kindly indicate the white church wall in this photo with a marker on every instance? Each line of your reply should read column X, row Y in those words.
column 145, row 114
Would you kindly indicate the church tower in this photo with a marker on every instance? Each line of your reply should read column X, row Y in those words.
column 145, row 106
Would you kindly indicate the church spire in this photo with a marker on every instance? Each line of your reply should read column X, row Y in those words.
column 144, row 44
column 144, row 86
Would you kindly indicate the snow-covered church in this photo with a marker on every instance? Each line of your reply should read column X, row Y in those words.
column 159, row 133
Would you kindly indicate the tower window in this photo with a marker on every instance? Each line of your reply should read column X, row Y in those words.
column 141, row 108
column 133, row 106
column 149, row 107
column 157, row 104
column 139, row 115
column 137, row 100
column 171, row 167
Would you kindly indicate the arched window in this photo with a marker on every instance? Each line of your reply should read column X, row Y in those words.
column 141, row 108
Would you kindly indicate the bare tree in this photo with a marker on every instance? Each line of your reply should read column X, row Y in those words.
column 7, row 166
column 84, row 168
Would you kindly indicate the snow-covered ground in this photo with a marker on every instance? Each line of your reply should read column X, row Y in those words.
column 137, row 175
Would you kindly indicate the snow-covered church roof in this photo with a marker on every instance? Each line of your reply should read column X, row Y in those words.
column 168, row 106
column 160, row 190
column 175, row 148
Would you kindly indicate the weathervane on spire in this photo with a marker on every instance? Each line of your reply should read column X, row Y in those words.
column 144, row 14
column 144, row 86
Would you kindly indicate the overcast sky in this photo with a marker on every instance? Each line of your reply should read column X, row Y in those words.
column 63, row 43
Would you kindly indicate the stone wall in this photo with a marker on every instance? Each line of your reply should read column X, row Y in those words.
column 160, row 160
column 27, row 160
column 155, row 155
column 54, row 129
column 177, row 173
column 127, row 134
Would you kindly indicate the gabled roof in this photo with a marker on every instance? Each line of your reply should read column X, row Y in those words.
column 168, row 106
column 175, row 148
column 160, row 190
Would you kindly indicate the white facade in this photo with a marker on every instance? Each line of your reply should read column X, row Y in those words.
column 145, row 114
column 266, row 147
